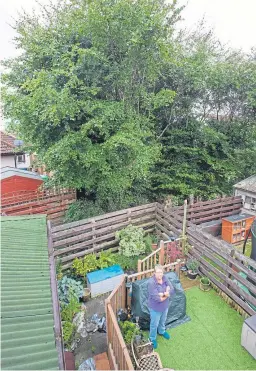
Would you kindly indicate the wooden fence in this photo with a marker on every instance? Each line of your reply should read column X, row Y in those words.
column 224, row 265
column 118, row 354
column 205, row 211
column 119, row 357
column 53, row 203
column 95, row 234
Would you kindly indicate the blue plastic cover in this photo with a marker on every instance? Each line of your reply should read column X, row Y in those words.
column 104, row 274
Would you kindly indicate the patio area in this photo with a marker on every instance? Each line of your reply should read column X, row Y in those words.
column 210, row 341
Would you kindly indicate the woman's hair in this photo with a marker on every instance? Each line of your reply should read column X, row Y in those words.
column 159, row 267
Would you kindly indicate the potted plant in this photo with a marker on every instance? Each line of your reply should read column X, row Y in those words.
column 192, row 268
column 154, row 239
column 205, row 284
column 86, row 294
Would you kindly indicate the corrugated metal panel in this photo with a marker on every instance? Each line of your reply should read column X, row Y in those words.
column 27, row 336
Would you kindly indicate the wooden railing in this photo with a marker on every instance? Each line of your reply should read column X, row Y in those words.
column 118, row 354
column 159, row 256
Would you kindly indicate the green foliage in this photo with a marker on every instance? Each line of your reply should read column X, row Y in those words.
column 67, row 288
column 129, row 330
column 193, row 265
column 82, row 209
column 148, row 240
column 105, row 259
column 69, row 310
column 85, row 265
column 131, row 241
column 59, row 273
column 129, row 111
column 126, row 262
column 68, row 330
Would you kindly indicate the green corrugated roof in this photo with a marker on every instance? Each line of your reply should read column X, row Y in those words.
column 27, row 336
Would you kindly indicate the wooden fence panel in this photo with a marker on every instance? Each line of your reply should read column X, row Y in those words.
column 92, row 235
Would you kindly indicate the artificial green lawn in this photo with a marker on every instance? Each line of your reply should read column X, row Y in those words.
column 210, row 341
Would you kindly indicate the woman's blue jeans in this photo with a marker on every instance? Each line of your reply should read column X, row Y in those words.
column 157, row 323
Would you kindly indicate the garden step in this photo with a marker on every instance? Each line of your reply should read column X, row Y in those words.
column 102, row 362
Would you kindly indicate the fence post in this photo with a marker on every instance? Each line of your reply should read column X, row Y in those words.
column 184, row 226
column 139, row 266
column 161, row 255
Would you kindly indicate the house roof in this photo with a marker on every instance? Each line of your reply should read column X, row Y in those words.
column 7, row 146
column 28, row 341
column 248, row 184
column 7, row 172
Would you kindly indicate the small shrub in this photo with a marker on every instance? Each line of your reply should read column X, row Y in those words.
column 193, row 265
column 68, row 311
column 205, row 280
column 59, row 273
column 131, row 241
column 67, row 287
column 85, row 265
column 129, row 330
column 148, row 243
column 68, row 331
column 106, row 259
column 126, row 262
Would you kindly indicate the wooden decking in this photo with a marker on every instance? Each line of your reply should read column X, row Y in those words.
column 102, row 362
column 186, row 283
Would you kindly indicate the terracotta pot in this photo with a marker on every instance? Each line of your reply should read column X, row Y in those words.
column 154, row 246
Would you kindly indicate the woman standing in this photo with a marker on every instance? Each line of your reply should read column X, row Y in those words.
column 159, row 290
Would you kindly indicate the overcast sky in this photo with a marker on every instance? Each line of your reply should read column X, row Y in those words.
column 234, row 21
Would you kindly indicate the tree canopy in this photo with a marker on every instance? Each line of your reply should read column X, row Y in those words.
column 115, row 100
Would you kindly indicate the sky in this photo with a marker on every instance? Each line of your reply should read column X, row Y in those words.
column 234, row 21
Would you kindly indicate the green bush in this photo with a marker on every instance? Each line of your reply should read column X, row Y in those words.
column 68, row 311
column 82, row 209
column 126, row 262
column 85, row 265
column 90, row 263
column 67, row 287
column 68, row 331
column 131, row 241
column 129, row 330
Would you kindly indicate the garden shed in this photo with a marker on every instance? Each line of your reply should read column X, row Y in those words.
column 27, row 317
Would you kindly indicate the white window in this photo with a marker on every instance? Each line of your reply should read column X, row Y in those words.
column 21, row 159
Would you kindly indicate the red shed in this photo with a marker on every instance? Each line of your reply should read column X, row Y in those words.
column 16, row 181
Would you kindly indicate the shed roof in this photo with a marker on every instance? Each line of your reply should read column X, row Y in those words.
column 7, row 172
column 248, row 184
column 237, row 218
column 27, row 340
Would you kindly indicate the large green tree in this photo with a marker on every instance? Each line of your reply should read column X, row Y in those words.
column 117, row 102
column 208, row 132
column 82, row 91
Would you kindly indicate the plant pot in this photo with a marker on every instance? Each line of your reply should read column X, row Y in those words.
column 191, row 275
column 86, row 295
column 205, row 286
column 154, row 246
